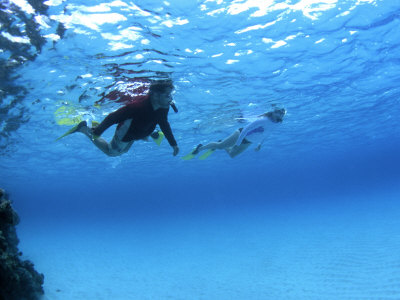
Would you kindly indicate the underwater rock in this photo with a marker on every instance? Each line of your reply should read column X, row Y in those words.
column 18, row 278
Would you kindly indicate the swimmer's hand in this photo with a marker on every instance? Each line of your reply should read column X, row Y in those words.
column 176, row 150
column 258, row 148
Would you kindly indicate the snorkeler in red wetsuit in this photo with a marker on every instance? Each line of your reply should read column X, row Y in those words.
column 137, row 120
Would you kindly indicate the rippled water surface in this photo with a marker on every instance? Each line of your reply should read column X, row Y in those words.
column 333, row 64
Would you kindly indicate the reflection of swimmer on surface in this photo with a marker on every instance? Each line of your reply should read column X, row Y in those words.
column 242, row 138
column 126, row 91
column 136, row 121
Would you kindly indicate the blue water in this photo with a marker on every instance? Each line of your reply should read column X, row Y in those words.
column 314, row 215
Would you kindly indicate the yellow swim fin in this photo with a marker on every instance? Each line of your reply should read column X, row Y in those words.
column 72, row 130
column 192, row 154
column 67, row 115
column 157, row 137
column 189, row 156
column 206, row 154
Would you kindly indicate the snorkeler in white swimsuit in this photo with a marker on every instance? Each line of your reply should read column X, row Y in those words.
column 242, row 138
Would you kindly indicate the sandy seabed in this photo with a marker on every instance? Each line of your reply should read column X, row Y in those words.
column 325, row 254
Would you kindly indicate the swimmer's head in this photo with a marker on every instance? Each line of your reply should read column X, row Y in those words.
column 160, row 94
column 161, row 87
column 276, row 115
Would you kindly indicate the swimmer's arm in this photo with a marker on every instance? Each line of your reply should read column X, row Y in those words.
column 251, row 126
column 258, row 148
column 166, row 129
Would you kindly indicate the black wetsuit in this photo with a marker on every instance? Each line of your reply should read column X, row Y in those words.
column 144, row 120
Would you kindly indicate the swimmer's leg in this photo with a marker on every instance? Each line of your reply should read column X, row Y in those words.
column 236, row 150
column 224, row 144
column 106, row 148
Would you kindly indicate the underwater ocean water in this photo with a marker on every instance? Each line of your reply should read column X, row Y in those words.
column 314, row 214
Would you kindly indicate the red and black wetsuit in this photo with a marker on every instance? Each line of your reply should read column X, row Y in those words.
column 144, row 120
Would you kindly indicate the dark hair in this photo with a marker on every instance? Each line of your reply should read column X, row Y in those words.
column 281, row 110
column 276, row 109
column 161, row 85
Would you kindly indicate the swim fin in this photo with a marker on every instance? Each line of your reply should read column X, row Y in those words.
column 192, row 154
column 73, row 130
column 67, row 115
column 189, row 156
column 157, row 137
column 206, row 154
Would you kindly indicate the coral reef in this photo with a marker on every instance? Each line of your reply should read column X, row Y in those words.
column 18, row 278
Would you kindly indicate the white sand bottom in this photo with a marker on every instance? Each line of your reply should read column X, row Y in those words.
column 325, row 254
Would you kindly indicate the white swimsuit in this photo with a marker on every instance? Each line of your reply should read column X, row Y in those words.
column 256, row 131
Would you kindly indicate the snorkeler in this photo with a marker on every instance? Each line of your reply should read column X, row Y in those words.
column 242, row 138
column 136, row 121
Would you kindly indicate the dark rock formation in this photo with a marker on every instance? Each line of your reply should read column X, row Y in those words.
column 18, row 278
